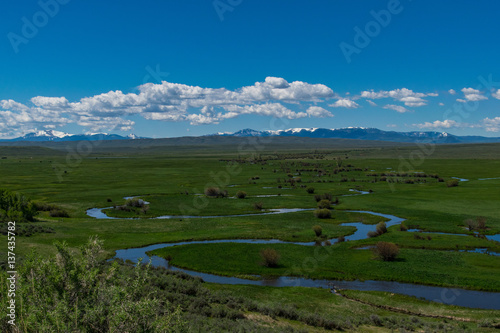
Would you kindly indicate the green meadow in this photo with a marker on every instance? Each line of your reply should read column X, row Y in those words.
column 407, row 181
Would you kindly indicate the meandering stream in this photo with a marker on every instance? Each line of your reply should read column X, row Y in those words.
column 455, row 296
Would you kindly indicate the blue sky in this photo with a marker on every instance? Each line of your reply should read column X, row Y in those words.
column 176, row 68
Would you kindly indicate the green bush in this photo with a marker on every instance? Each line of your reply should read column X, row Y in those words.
column 323, row 213
column 270, row 257
column 16, row 207
column 310, row 190
column 58, row 213
column 381, row 228
column 258, row 205
column 241, row 194
column 386, row 251
column 317, row 230
column 324, row 203
column 215, row 192
column 452, row 183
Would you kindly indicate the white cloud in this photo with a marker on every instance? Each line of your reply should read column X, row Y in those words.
column 50, row 102
column 441, row 104
column 318, row 112
column 496, row 94
column 413, row 101
column 392, row 125
column 398, row 108
column 452, row 92
column 473, row 95
column 491, row 125
column 345, row 103
column 372, row 103
column 407, row 96
column 439, row 124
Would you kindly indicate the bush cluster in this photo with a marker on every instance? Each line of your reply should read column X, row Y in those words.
column 386, row 251
column 215, row 192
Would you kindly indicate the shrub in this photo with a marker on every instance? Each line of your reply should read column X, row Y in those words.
column 403, row 227
column 215, row 192
column 270, row 257
column 386, row 251
column 317, row 197
column 241, row 194
column 317, row 230
column 212, row 192
column 470, row 224
column 16, row 207
column 58, row 213
column 258, row 205
column 326, row 196
column 109, row 200
column 341, row 239
column 323, row 213
column 327, row 243
column 381, row 228
column 481, row 222
column 324, row 204
column 135, row 202
column 452, row 183
column 310, row 190
column 372, row 234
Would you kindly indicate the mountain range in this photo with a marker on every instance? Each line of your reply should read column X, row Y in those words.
column 361, row 133
column 56, row 136
column 358, row 133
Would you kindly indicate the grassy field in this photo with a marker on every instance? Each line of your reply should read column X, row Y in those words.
column 173, row 178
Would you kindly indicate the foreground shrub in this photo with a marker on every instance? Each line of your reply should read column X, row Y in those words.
column 372, row 234
column 403, row 227
column 386, row 251
column 16, row 207
column 452, row 183
column 323, row 213
column 317, row 230
column 341, row 239
column 270, row 257
column 241, row 194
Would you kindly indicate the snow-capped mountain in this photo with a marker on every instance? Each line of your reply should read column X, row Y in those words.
column 56, row 136
column 362, row 133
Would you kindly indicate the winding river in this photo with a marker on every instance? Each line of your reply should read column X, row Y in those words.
column 453, row 296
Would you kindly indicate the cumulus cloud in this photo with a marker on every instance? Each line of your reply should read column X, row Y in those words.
column 407, row 96
column 168, row 101
column 496, row 94
column 318, row 112
column 345, row 103
column 491, row 125
column 472, row 95
column 398, row 108
column 447, row 123
column 452, row 92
